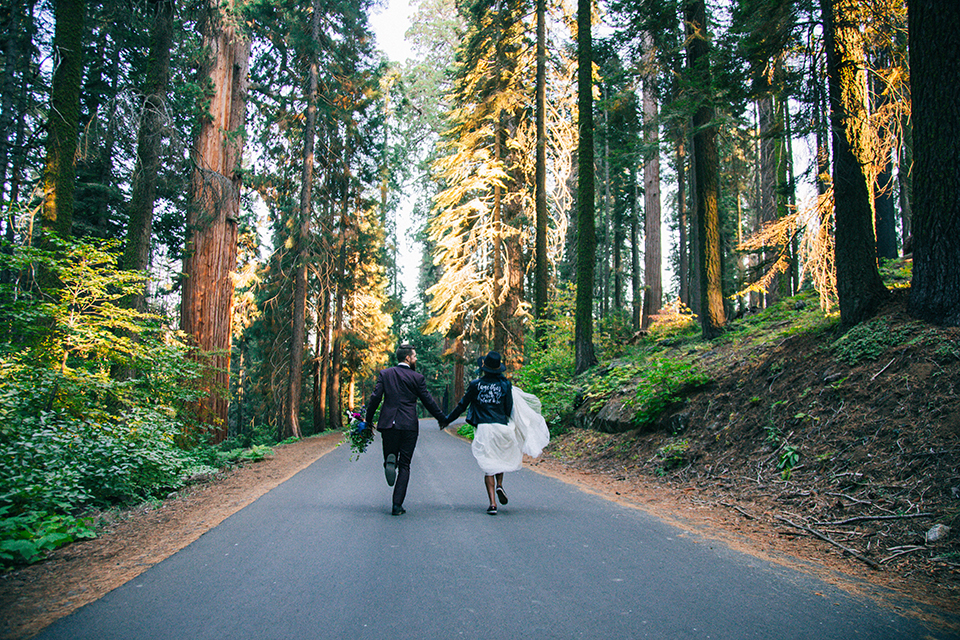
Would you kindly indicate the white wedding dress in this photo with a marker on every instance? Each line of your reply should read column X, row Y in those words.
column 499, row 448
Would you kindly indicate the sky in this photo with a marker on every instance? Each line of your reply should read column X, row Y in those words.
column 390, row 24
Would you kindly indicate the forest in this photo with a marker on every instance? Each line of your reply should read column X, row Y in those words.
column 205, row 208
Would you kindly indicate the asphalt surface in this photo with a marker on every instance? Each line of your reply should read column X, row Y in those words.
column 320, row 556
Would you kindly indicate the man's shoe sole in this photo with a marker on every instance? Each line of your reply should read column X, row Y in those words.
column 390, row 469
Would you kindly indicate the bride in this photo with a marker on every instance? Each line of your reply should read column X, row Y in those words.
column 508, row 425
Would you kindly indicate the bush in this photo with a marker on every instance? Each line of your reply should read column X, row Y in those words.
column 93, row 397
column 661, row 383
column 869, row 340
column 548, row 367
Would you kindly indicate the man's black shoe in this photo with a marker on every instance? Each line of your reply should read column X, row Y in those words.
column 398, row 510
column 390, row 469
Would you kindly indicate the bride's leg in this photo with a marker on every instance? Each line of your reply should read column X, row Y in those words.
column 490, row 483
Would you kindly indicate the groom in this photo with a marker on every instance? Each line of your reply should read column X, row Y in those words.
column 399, row 388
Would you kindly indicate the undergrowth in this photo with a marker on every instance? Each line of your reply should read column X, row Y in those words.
column 94, row 399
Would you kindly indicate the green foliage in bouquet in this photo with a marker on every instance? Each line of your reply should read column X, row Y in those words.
column 358, row 435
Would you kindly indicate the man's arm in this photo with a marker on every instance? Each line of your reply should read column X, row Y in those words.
column 427, row 399
column 375, row 399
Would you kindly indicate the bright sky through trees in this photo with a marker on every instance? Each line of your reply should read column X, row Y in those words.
column 390, row 24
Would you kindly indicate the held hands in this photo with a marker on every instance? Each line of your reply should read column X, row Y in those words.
column 443, row 424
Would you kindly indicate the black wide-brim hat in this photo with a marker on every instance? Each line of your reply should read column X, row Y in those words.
column 493, row 364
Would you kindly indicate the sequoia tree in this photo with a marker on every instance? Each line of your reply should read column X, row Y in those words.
column 206, row 310
column 706, row 173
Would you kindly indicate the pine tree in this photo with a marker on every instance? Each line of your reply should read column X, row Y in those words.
column 476, row 224
column 63, row 121
column 859, row 287
column 584, row 356
column 935, row 80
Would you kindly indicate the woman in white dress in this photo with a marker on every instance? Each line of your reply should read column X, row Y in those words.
column 508, row 424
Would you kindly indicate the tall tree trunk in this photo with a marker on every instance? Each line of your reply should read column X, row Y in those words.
column 821, row 109
column 683, row 223
column 541, row 273
column 136, row 253
column 935, row 84
column 611, row 255
column 905, row 180
column 16, row 21
column 211, row 251
column 859, row 287
column 60, row 173
column 586, row 231
column 19, row 154
column 652, row 260
column 322, row 384
column 513, row 349
column 885, row 217
column 291, row 422
column 315, row 375
column 693, row 212
column 13, row 112
column 335, row 399
column 707, row 169
column 790, row 186
column 636, row 289
column 768, row 179
column 499, row 311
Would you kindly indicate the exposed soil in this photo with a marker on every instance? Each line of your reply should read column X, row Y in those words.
column 877, row 440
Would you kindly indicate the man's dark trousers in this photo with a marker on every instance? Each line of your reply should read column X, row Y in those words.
column 401, row 443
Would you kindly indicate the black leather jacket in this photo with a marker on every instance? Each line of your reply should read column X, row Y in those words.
column 490, row 399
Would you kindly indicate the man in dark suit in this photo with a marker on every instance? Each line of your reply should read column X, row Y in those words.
column 399, row 388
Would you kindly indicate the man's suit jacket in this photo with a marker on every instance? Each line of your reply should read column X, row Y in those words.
column 399, row 388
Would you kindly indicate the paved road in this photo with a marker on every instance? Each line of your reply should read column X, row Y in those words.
column 321, row 557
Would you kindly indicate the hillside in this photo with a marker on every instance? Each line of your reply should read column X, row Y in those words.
column 808, row 441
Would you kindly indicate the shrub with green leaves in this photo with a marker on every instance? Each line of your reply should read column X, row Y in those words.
column 867, row 341
column 663, row 382
column 25, row 538
column 548, row 369
column 76, row 433
column 673, row 454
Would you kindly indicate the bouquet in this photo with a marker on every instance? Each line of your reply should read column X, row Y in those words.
column 358, row 433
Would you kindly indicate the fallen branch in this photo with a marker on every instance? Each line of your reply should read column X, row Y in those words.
column 900, row 551
column 827, row 538
column 850, row 498
column 869, row 518
column 881, row 370
column 736, row 508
